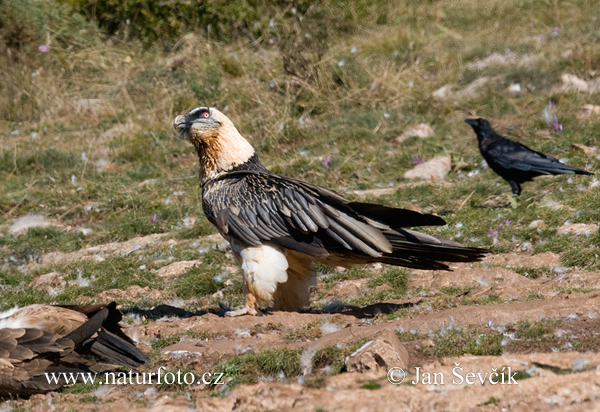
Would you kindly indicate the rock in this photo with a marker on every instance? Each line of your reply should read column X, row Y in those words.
column 132, row 293
column 434, row 170
column 544, row 134
column 572, row 83
column 85, row 231
column 177, row 268
column 577, row 229
column 537, row 224
column 99, row 252
column 421, row 130
column 24, row 223
column 588, row 110
column 410, row 206
column 50, row 282
column 514, row 88
column 473, row 89
column 443, row 92
column 497, row 59
column 385, row 352
column 346, row 289
column 590, row 151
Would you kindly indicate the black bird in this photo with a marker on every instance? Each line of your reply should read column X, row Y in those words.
column 515, row 162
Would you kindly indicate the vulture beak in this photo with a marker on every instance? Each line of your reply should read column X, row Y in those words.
column 182, row 126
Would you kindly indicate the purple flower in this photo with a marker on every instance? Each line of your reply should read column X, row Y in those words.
column 326, row 162
column 339, row 281
column 153, row 219
column 43, row 48
column 557, row 126
column 551, row 118
column 492, row 232
column 555, row 31
column 499, row 227
column 418, row 160
column 507, row 222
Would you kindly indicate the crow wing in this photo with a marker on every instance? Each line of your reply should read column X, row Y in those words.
column 512, row 155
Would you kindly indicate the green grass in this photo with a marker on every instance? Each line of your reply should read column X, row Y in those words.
column 532, row 330
column 476, row 341
column 115, row 166
column 334, row 357
column 251, row 366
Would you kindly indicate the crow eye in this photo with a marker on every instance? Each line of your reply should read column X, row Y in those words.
column 205, row 115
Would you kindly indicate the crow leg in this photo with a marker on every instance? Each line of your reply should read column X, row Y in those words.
column 516, row 188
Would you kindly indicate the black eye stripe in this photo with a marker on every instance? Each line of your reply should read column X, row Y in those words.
column 199, row 112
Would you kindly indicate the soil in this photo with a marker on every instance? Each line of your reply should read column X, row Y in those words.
column 558, row 369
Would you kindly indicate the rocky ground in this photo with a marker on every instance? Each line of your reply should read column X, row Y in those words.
column 543, row 331
column 99, row 200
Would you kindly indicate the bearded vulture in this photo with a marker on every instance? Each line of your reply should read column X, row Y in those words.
column 278, row 226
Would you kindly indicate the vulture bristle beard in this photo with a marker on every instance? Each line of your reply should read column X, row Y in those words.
column 221, row 151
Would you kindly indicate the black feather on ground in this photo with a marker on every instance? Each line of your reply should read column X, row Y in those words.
column 515, row 162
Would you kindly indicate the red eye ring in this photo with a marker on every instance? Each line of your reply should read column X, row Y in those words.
column 206, row 115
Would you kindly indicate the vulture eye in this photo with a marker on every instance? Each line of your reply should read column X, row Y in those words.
column 206, row 115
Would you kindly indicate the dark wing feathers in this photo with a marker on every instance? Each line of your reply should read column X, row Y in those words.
column 111, row 348
column 396, row 217
column 26, row 354
column 287, row 211
column 516, row 156
column 255, row 207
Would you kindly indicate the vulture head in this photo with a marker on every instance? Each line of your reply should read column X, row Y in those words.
column 219, row 145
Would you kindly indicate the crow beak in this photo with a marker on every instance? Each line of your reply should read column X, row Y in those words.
column 472, row 122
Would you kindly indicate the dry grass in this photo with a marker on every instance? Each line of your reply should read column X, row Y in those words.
column 95, row 148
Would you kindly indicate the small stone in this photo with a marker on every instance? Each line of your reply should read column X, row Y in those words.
column 421, row 130
column 50, row 282
column 24, row 223
column 537, row 224
column 580, row 363
column 177, row 268
column 514, row 88
column 590, row 151
column 385, row 351
column 588, row 110
column 577, row 229
column 133, row 293
column 434, row 170
column 443, row 92
column 572, row 83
